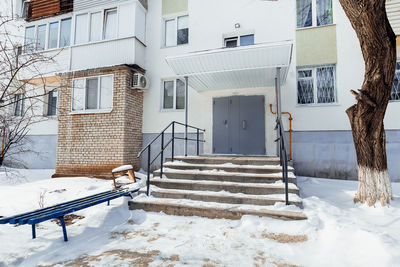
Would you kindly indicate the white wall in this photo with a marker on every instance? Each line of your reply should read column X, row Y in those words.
column 349, row 74
column 208, row 22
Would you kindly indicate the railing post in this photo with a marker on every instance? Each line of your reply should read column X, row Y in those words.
column 162, row 155
column 186, row 113
column 173, row 141
column 198, row 142
column 286, row 180
column 148, row 170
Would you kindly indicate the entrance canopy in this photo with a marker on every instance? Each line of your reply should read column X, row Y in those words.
column 230, row 68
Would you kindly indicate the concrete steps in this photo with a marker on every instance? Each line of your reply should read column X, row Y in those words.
column 225, row 167
column 222, row 187
column 238, row 160
column 224, row 197
column 225, row 176
column 212, row 210
column 215, row 186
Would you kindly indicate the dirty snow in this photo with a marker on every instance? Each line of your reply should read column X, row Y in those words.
column 337, row 232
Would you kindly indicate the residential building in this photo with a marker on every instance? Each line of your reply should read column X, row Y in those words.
column 233, row 55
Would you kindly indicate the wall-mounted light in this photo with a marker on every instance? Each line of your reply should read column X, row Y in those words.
column 237, row 25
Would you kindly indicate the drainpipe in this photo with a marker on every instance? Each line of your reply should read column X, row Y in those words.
column 290, row 127
column 186, row 114
column 278, row 101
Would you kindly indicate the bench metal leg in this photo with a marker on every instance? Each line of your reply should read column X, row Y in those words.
column 63, row 228
column 33, row 231
column 108, row 202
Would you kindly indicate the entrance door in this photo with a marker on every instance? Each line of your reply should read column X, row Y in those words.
column 239, row 125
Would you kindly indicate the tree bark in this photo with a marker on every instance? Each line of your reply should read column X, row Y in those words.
column 378, row 46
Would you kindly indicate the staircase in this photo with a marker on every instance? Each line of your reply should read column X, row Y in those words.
column 222, row 187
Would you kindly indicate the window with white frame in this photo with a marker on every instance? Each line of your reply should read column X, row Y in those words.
column 19, row 100
column 52, row 100
column 41, row 37
column 29, row 39
column 93, row 93
column 243, row 40
column 65, row 32
column 53, row 35
column 81, row 28
column 395, row 95
column 110, row 23
column 316, row 85
column 56, row 34
column 314, row 13
column 24, row 8
column 173, row 94
column 176, row 31
column 95, row 26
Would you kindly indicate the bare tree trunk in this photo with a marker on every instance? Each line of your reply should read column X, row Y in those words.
column 378, row 46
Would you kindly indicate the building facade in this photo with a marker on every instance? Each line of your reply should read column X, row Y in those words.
column 233, row 55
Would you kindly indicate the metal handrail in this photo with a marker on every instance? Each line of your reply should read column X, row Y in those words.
column 164, row 146
column 283, row 157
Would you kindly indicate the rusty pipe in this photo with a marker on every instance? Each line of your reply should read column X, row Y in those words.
column 290, row 127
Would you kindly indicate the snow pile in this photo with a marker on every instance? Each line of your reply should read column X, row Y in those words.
column 123, row 168
column 337, row 232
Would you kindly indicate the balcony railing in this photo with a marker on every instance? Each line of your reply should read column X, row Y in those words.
column 38, row 9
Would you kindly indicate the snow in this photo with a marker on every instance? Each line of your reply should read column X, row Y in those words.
column 222, row 172
column 123, row 168
column 225, row 165
column 339, row 232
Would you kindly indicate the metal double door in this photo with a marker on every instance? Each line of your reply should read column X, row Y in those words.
column 239, row 125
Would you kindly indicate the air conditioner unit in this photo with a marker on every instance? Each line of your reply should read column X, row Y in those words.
column 139, row 81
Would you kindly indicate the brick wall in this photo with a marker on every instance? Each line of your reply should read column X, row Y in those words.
column 94, row 144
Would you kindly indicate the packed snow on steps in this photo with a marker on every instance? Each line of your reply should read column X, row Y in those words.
column 337, row 232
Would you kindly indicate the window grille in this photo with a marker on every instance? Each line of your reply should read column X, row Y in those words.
column 316, row 85
column 395, row 95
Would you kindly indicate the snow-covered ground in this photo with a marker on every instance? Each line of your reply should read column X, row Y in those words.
column 337, row 232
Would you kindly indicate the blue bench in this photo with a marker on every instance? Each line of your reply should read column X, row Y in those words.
column 60, row 210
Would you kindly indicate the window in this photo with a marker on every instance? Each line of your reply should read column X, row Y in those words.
column 52, row 103
column 81, row 27
column 110, row 24
column 41, row 37
column 170, row 34
column 239, row 40
column 314, row 13
column 53, row 35
column 29, row 39
column 231, row 42
column 65, row 32
column 316, row 85
column 95, row 26
column 395, row 95
column 183, row 30
column 247, row 40
column 174, row 94
column 93, row 93
column 24, row 8
column 18, row 104
column 177, row 31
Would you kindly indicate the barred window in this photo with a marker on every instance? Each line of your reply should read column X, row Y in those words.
column 395, row 95
column 316, row 85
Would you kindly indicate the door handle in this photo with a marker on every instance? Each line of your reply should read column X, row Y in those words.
column 244, row 124
column 225, row 122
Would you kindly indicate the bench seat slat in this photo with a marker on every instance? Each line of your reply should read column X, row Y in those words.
column 58, row 207
column 11, row 219
column 73, row 209
column 25, row 219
